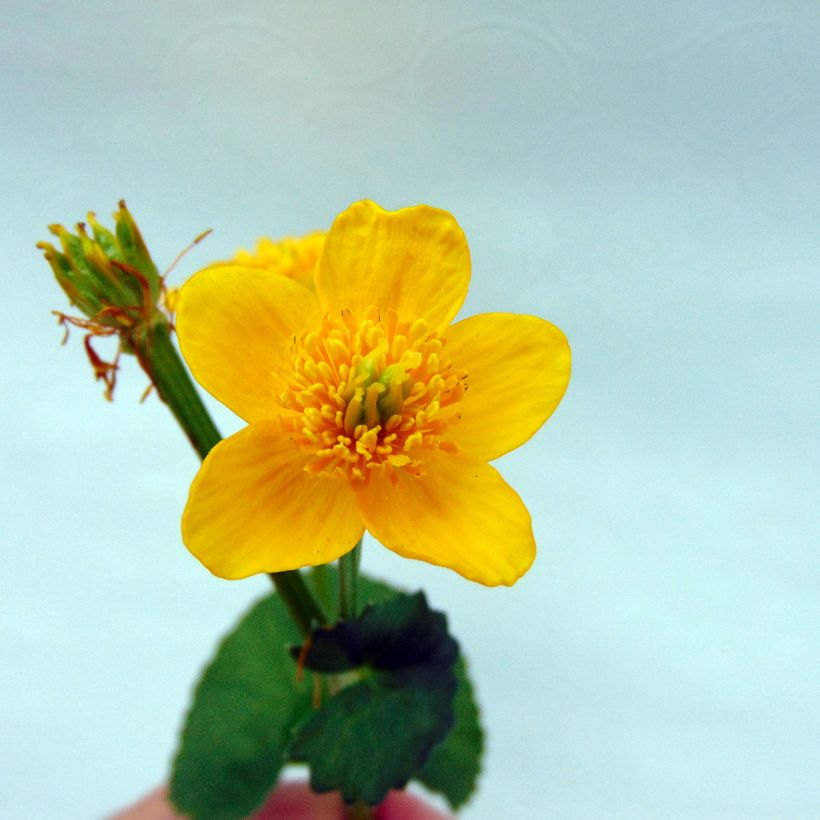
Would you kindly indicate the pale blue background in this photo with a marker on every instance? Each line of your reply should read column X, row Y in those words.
column 645, row 174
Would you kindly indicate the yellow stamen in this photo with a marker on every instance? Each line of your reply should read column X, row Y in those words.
column 370, row 393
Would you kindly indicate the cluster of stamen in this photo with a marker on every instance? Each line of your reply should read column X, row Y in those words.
column 369, row 393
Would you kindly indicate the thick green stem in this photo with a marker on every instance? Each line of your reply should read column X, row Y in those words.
column 320, row 583
column 162, row 363
column 297, row 597
column 348, row 582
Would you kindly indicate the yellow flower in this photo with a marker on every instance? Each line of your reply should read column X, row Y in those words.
column 366, row 408
column 294, row 257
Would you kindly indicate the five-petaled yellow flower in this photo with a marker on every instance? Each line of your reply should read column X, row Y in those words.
column 366, row 408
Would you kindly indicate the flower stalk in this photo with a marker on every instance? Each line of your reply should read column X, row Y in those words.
column 160, row 360
column 299, row 600
column 348, row 582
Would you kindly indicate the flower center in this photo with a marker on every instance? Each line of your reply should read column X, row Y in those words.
column 370, row 394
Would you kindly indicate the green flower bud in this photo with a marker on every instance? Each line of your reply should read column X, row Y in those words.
column 112, row 280
column 110, row 277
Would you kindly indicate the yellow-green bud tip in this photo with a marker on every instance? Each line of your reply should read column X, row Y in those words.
column 109, row 276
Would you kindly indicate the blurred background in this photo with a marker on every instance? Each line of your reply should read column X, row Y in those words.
column 645, row 174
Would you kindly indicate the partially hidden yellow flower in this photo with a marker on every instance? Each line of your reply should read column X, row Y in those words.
column 366, row 408
column 294, row 257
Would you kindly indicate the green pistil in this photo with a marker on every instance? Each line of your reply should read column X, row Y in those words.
column 378, row 396
column 392, row 401
column 371, row 409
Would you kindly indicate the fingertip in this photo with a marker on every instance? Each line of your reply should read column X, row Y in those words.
column 154, row 806
column 295, row 801
column 406, row 806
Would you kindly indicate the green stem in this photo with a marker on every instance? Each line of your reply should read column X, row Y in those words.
column 359, row 811
column 160, row 360
column 320, row 583
column 297, row 597
column 162, row 363
column 348, row 582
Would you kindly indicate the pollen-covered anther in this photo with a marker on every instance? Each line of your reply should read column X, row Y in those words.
column 371, row 394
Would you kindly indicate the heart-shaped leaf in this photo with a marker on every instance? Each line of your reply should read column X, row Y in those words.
column 246, row 704
column 378, row 733
column 454, row 764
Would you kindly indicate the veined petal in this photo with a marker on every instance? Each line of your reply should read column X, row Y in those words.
column 253, row 508
column 235, row 328
column 414, row 260
column 518, row 369
column 461, row 515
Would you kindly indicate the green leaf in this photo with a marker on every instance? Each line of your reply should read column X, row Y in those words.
column 454, row 764
column 248, row 702
column 235, row 738
column 376, row 734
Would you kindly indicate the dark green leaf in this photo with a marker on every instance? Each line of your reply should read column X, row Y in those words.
column 237, row 732
column 454, row 765
column 403, row 636
column 377, row 733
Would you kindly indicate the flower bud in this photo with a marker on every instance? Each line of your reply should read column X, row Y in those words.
column 112, row 280
column 110, row 277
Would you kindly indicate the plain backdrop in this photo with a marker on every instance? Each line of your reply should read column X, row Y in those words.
column 644, row 174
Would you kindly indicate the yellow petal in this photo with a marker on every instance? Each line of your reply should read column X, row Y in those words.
column 518, row 369
column 252, row 508
column 461, row 515
column 415, row 261
column 236, row 327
